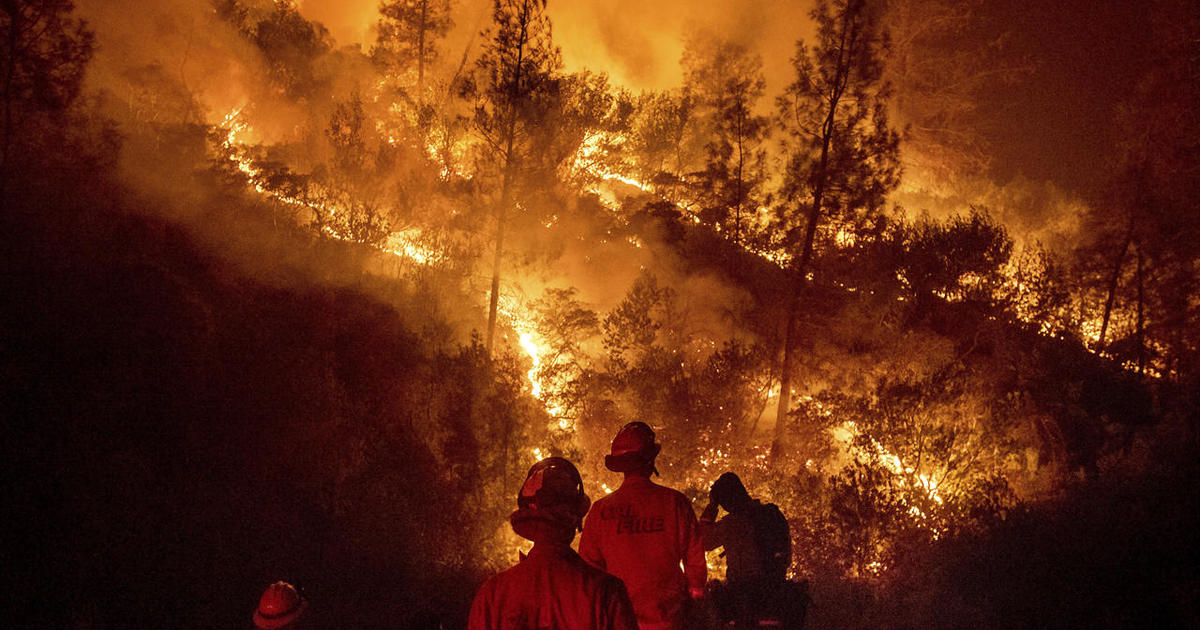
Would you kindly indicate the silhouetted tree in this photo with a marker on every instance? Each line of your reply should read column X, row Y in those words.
column 726, row 79
column 42, row 60
column 408, row 34
column 841, row 153
column 959, row 259
column 659, row 125
column 1139, row 254
column 518, row 67
column 939, row 59
column 292, row 46
column 356, row 178
column 580, row 107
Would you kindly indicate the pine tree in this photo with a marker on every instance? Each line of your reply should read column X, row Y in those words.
column 659, row 123
column 519, row 67
column 841, row 152
column 727, row 81
column 408, row 34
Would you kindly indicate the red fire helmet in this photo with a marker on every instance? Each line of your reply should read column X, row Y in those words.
column 554, row 481
column 280, row 605
column 633, row 448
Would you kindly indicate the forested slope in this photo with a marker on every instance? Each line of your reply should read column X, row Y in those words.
column 180, row 434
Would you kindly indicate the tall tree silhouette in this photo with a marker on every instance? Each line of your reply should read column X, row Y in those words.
column 841, row 153
column 408, row 34
column 727, row 81
column 518, row 66
column 1138, row 252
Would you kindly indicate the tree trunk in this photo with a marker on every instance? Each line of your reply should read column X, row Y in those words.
column 1112, row 284
column 789, row 333
column 1141, row 318
column 506, row 184
column 494, row 297
column 800, row 280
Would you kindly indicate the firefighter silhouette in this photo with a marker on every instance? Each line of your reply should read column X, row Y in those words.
column 758, row 551
column 643, row 531
column 552, row 588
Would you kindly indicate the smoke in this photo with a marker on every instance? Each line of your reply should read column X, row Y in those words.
column 350, row 22
column 1034, row 212
column 182, row 41
column 639, row 43
column 214, row 69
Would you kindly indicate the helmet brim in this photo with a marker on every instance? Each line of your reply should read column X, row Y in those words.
column 629, row 462
column 270, row 623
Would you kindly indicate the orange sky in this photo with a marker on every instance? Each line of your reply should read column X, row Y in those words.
column 638, row 42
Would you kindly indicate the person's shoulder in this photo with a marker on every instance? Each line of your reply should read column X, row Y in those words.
column 601, row 579
column 502, row 576
column 590, row 574
column 585, row 569
column 607, row 498
column 488, row 589
column 772, row 509
column 497, row 581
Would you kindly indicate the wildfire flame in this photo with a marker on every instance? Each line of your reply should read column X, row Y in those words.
column 404, row 244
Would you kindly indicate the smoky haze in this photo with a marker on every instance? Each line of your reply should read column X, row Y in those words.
column 637, row 43
column 1049, row 135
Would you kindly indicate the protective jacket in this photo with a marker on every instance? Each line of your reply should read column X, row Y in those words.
column 552, row 589
column 640, row 533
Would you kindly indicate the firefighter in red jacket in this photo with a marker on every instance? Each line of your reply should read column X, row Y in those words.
column 642, row 531
column 552, row 587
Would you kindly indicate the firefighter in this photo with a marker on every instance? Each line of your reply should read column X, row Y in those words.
column 758, row 551
column 552, row 587
column 642, row 531
column 281, row 606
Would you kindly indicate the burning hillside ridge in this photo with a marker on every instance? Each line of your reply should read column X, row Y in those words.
column 540, row 253
column 435, row 150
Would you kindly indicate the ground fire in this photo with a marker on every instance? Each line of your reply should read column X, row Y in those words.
column 830, row 314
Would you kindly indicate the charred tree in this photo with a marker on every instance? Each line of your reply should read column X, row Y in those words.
column 1113, row 281
column 841, row 151
column 518, row 64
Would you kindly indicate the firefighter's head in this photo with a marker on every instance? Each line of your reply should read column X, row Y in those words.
column 728, row 492
column 551, row 503
column 281, row 606
column 633, row 450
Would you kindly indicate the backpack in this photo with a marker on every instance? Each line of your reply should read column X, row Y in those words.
column 772, row 538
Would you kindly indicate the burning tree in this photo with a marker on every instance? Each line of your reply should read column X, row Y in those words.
column 518, row 69
column 661, row 124
column 408, row 34
column 1138, row 259
column 940, row 376
column 841, row 152
column 726, row 81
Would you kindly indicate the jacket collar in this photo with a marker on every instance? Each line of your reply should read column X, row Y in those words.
column 636, row 480
column 546, row 548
